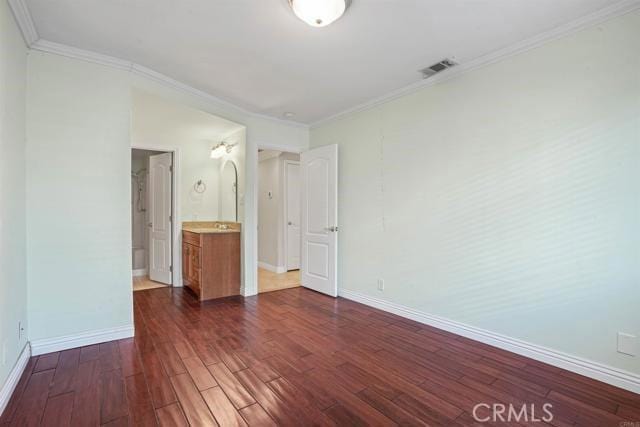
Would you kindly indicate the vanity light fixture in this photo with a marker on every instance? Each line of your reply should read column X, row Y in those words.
column 319, row 13
column 221, row 149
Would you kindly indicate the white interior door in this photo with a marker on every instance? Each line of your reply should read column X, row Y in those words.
column 319, row 221
column 160, row 217
column 292, row 181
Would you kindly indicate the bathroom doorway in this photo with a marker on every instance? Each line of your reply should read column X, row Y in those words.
column 278, row 220
column 151, row 218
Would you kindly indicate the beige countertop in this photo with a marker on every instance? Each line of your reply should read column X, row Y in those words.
column 210, row 227
column 208, row 230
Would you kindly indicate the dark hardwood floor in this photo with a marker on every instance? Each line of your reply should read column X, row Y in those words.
column 295, row 357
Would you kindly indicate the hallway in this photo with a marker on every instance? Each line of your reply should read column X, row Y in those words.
column 269, row 281
column 143, row 283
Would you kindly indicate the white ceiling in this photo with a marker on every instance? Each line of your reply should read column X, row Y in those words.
column 259, row 56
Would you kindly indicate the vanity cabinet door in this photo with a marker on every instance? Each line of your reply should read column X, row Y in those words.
column 194, row 252
column 191, row 266
column 211, row 264
column 194, row 262
column 185, row 262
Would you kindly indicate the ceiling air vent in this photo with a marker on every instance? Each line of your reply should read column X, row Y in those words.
column 437, row 67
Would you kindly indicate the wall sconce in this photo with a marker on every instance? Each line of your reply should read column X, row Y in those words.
column 221, row 149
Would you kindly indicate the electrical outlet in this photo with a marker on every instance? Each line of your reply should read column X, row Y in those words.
column 627, row 344
column 381, row 284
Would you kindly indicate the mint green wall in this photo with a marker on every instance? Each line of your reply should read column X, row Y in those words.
column 78, row 190
column 78, row 183
column 507, row 198
column 13, row 285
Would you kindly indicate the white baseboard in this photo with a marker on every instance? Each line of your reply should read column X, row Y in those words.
column 272, row 268
column 140, row 272
column 14, row 376
column 49, row 345
column 617, row 377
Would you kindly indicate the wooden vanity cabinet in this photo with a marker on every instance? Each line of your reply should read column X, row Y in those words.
column 211, row 264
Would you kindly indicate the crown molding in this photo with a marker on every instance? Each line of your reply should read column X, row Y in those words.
column 24, row 21
column 113, row 62
column 176, row 84
column 32, row 39
column 617, row 9
column 47, row 46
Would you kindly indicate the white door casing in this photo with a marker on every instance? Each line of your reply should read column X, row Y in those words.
column 319, row 220
column 160, row 193
column 292, row 214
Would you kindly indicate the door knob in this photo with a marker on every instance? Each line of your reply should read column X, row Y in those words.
column 150, row 224
column 290, row 223
column 332, row 229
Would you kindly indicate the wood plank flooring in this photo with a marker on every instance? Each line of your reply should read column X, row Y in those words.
column 295, row 358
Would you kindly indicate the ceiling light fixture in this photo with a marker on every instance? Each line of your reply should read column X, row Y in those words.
column 221, row 149
column 319, row 13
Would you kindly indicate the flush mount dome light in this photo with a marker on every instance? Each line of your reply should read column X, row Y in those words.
column 319, row 13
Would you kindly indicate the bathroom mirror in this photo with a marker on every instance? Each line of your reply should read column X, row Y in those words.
column 229, row 192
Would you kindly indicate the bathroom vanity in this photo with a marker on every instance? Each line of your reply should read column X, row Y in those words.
column 211, row 259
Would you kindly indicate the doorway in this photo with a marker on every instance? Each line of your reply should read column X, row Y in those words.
column 318, row 226
column 151, row 218
column 278, row 220
column 292, row 214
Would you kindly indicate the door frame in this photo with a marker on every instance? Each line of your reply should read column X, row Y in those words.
column 251, row 287
column 285, row 198
column 176, row 241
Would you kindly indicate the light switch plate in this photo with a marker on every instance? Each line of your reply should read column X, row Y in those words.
column 627, row 344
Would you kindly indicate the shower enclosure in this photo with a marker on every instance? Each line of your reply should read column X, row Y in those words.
column 139, row 214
